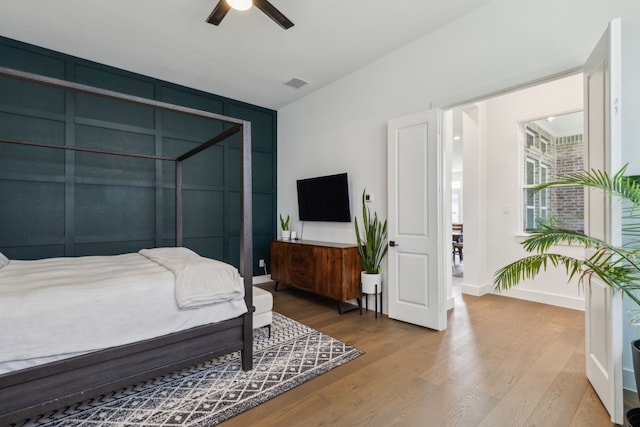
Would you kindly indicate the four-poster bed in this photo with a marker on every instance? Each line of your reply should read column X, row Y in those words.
column 35, row 390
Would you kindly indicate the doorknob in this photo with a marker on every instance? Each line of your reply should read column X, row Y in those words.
column 393, row 243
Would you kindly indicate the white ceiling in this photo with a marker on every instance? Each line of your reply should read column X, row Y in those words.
column 248, row 57
column 564, row 125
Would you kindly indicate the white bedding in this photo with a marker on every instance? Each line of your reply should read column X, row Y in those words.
column 199, row 281
column 59, row 307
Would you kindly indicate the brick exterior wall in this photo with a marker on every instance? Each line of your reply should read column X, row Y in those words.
column 568, row 202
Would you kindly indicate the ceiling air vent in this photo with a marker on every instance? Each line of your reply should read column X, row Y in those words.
column 296, row 83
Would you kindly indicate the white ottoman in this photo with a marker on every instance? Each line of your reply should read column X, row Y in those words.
column 263, row 302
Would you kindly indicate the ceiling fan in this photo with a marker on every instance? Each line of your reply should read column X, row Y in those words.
column 223, row 6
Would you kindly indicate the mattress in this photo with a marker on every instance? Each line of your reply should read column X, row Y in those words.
column 61, row 307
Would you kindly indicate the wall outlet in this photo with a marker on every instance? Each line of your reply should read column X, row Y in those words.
column 261, row 263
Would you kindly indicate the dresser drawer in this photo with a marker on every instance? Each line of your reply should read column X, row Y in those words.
column 302, row 266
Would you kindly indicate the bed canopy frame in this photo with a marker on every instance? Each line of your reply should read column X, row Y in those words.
column 34, row 391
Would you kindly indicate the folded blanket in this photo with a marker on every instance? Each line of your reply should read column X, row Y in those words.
column 199, row 281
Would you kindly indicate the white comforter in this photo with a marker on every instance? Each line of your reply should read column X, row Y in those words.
column 59, row 307
column 199, row 281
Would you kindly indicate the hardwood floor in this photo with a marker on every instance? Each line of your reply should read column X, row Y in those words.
column 501, row 362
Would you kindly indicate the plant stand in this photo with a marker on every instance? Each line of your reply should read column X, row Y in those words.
column 375, row 297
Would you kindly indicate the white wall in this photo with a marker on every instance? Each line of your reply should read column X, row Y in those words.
column 342, row 127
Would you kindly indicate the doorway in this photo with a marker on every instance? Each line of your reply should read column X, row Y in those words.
column 487, row 142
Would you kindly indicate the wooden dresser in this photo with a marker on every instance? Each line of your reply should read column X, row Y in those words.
column 324, row 268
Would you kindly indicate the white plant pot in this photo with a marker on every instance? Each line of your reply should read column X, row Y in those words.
column 369, row 282
column 286, row 234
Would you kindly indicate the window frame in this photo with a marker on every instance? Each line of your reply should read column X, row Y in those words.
column 536, row 146
column 529, row 210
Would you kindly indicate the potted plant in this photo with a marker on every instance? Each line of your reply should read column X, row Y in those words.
column 618, row 267
column 284, row 225
column 372, row 247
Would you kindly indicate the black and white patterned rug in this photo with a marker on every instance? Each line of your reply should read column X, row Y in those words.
column 212, row 392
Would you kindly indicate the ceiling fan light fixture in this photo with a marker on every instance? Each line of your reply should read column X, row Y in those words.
column 240, row 4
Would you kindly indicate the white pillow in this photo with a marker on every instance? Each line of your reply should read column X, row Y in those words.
column 3, row 260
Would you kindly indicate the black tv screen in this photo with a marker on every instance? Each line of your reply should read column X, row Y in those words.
column 325, row 198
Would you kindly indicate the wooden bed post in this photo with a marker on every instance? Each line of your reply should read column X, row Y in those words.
column 179, row 203
column 246, row 245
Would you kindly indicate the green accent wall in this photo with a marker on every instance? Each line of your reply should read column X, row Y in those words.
column 65, row 203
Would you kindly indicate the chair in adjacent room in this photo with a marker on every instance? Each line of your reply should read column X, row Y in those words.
column 457, row 245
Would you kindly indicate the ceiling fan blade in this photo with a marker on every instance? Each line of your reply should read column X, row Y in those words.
column 273, row 13
column 218, row 13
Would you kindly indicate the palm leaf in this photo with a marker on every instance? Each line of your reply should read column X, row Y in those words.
column 618, row 267
column 546, row 237
column 529, row 267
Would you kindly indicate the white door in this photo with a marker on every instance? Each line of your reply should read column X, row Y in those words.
column 415, row 283
column 603, row 308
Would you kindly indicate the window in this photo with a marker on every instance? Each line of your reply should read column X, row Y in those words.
column 552, row 148
column 544, row 144
column 531, row 138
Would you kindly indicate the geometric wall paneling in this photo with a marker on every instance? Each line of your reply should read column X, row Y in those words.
column 19, row 220
column 114, row 169
column 263, row 171
column 118, row 81
column 233, row 221
column 262, row 124
column 211, row 247
column 31, row 95
column 206, row 169
column 112, row 248
column 263, row 204
column 188, row 97
column 203, row 213
column 34, row 60
column 76, row 203
column 232, row 250
column 180, row 126
column 188, row 127
column 168, row 215
column 114, row 213
column 31, row 162
column 110, row 110
column 232, row 176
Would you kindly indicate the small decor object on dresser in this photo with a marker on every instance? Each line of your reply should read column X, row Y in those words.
column 284, row 224
column 372, row 247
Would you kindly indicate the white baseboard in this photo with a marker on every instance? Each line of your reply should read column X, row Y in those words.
column 575, row 303
column 476, row 290
column 258, row 280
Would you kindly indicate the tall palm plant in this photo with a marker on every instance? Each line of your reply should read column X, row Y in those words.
column 618, row 267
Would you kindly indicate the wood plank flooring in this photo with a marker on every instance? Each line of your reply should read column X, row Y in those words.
column 501, row 362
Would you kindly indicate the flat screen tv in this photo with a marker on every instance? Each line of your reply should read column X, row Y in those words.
column 324, row 198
